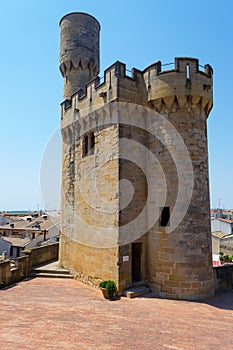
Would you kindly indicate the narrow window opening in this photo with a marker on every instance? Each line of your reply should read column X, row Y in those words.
column 85, row 146
column 90, row 93
column 91, row 143
column 110, row 80
column 164, row 217
column 149, row 85
column 187, row 71
column 88, row 144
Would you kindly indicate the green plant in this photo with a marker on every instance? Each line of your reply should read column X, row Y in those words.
column 221, row 256
column 226, row 258
column 103, row 284
column 110, row 287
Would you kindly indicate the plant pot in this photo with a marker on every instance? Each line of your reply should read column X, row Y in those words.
column 104, row 291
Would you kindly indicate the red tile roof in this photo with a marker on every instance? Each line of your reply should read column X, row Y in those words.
column 17, row 242
column 225, row 220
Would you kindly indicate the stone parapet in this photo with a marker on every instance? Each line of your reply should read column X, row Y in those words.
column 184, row 88
column 24, row 264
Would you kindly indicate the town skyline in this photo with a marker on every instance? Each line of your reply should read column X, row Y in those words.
column 31, row 86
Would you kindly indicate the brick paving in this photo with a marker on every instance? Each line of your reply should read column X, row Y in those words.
column 46, row 313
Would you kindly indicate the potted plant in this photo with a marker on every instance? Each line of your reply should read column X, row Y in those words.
column 111, row 288
column 226, row 258
column 221, row 256
column 102, row 286
column 108, row 289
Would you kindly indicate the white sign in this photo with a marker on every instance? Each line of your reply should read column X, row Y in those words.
column 126, row 258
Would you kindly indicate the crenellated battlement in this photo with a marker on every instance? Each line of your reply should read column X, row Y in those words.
column 188, row 85
column 181, row 64
column 99, row 91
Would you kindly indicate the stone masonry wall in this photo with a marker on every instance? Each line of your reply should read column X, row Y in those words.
column 180, row 262
column 89, row 251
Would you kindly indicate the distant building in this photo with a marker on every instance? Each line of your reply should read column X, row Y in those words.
column 5, row 220
column 27, row 232
column 216, row 239
column 5, row 247
column 13, row 246
column 222, row 214
column 226, row 244
column 213, row 213
column 222, row 225
column 222, row 235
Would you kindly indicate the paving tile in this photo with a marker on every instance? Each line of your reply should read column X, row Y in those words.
column 47, row 313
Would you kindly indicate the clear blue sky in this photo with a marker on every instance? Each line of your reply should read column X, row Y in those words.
column 137, row 33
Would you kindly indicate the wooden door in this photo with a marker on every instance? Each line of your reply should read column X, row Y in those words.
column 136, row 262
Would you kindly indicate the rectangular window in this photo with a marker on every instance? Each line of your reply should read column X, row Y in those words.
column 187, row 71
column 88, row 144
column 85, row 146
column 164, row 216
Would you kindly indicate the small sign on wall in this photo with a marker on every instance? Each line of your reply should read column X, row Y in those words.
column 125, row 258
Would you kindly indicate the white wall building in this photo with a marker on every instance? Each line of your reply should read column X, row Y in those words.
column 5, row 246
column 222, row 225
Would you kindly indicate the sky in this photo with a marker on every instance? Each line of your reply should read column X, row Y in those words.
column 137, row 33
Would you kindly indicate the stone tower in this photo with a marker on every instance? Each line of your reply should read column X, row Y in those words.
column 79, row 51
column 135, row 188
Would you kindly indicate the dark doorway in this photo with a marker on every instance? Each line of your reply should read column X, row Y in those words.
column 136, row 262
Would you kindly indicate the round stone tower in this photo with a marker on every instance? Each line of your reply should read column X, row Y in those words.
column 79, row 51
column 182, row 248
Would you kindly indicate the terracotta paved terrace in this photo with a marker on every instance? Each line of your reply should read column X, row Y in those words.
column 46, row 313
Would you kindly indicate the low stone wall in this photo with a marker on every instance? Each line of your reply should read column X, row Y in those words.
column 5, row 272
column 20, row 271
column 42, row 254
column 8, row 275
column 223, row 277
column 24, row 264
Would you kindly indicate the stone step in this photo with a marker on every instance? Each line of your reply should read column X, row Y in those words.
column 50, row 269
column 136, row 291
column 50, row 275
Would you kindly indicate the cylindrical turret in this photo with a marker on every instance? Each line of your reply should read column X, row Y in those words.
column 79, row 51
column 184, row 96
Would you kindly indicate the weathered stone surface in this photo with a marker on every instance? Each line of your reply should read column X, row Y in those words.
column 98, row 224
column 79, row 51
